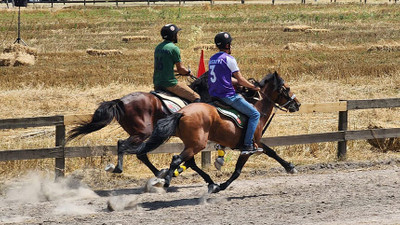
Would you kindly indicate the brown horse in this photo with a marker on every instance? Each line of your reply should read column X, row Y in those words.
column 137, row 113
column 197, row 123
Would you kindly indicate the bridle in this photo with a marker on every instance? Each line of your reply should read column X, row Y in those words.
column 283, row 91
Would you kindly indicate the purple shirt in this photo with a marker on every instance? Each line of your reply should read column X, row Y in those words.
column 221, row 67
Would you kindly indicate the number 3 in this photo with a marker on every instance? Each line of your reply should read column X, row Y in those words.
column 213, row 76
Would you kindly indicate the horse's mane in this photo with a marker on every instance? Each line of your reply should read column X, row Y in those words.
column 201, row 87
column 273, row 78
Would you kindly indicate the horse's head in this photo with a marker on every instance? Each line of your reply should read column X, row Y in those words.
column 274, row 89
column 200, row 86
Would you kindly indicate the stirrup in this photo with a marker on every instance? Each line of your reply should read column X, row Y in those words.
column 250, row 150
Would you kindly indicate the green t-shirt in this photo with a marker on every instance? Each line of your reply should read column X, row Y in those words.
column 166, row 55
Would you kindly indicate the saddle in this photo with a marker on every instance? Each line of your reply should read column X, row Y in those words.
column 237, row 117
column 170, row 101
column 173, row 103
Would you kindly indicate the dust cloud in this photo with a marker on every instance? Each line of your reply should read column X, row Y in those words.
column 62, row 193
column 122, row 202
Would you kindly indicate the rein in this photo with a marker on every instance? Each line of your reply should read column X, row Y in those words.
column 276, row 107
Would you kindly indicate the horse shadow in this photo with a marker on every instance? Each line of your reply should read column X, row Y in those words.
column 135, row 191
column 155, row 205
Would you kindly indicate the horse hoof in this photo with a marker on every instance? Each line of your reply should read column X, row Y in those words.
column 291, row 169
column 117, row 170
column 155, row 185
column 218, row 163
column 213, row 188
column 167, row 180
column 162, row 173
column 110, row 167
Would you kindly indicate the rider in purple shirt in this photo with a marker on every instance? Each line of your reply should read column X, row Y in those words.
column 222, row 66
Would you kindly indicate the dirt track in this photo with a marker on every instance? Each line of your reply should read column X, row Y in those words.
column 319, row 194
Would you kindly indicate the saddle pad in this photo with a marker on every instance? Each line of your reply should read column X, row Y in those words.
column 237, row 117
column 172, row 103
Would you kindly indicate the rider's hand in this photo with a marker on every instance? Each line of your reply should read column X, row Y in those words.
column 189, row 73
column 256, row 88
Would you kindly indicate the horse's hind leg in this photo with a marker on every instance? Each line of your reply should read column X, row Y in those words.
column 118, row 168
column 271, row 153
column 125, row 146
column 176, row 161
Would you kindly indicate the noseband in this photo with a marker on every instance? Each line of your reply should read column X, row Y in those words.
column 285, row 91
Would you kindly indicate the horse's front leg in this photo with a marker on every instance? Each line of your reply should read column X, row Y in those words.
column 212, row 187
column 271, row 153
column 146, row 161
column 238, row 169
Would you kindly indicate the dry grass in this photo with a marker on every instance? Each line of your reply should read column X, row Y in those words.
column 97, row 52
column 320, row 67
column 297, row 28
column 18, row 55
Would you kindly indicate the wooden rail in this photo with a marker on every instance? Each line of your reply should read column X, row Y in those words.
column 118, row 2
column 60, row 153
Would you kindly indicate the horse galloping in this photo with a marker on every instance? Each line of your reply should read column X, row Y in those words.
column 137, row 113
column 197, row 123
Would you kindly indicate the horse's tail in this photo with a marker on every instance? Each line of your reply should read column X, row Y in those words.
column 103, row 116
column 163, row 130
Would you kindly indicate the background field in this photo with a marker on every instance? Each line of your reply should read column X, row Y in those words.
column 319, row 66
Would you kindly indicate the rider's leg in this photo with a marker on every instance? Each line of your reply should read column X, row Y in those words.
column 182, row 90
column 246, row 108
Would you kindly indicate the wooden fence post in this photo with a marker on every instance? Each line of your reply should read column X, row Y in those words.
column 60, row 140
column 342, row 145
column 206, row 158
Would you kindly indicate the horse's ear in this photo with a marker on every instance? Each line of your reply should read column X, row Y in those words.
column 277, row 80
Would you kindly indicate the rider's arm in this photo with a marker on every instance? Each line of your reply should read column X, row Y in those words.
column 182, row 70
column 242, row 81
column 235, row 81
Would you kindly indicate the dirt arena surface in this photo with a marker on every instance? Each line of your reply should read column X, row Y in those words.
column 339, row 193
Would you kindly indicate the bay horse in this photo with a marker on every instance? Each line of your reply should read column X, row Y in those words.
column 137, row 113
column 197, row 123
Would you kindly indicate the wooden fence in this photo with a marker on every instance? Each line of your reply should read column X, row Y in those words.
column 60, row 153
column 118, row 2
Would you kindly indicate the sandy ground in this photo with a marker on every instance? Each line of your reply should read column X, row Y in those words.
column 319, row 194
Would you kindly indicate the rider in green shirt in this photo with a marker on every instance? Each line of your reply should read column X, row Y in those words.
column 166, row 56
